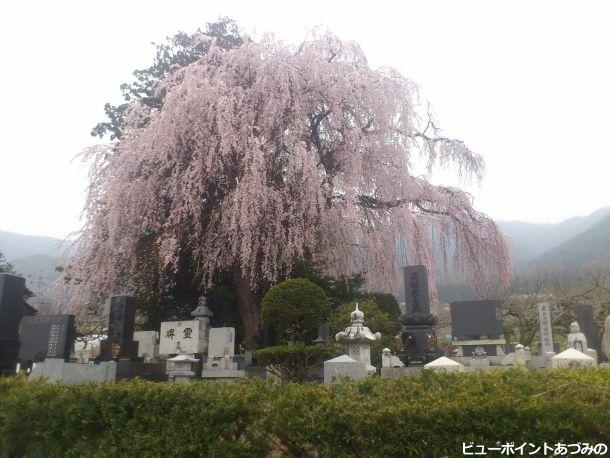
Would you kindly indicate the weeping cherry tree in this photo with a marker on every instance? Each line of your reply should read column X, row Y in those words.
column 265, row 154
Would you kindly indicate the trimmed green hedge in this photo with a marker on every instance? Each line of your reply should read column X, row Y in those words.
column 296, row 362
column 429, row 415
column 295, row 308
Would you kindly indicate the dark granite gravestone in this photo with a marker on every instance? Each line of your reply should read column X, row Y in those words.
column 12, row 289
column 586, row 320
column 121, row 321
column 417, row 296
column 46, row 336
column 418, row 337
column 476, row 320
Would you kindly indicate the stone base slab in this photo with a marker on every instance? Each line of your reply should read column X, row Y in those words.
column 222, row 374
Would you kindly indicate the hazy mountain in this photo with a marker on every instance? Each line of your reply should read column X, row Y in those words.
column 35, row 258
column 588, row 250
column 529, row 240
column 40, row 272
column 37, row 267
column 15, row 246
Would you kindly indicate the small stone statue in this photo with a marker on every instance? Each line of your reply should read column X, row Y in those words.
column 577, row 339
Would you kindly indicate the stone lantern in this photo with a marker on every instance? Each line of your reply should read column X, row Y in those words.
column 182, row 368
column 358, row 339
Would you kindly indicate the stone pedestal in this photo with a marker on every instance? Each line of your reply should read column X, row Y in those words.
column 444, row 364
column 592, row 353
column 390, row 372
column 419, row 342
column 478, row 362
column 58, row 370
column 223, row 374
column 572, row 358
column 343, row 366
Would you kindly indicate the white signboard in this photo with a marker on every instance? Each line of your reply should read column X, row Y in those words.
column 181, row 337
column 546, row 327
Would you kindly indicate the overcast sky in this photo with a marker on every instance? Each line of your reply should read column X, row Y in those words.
column 525, row 84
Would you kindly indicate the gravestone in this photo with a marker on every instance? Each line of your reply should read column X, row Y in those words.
column 222, row 342
column 121, row 321
column 12, row 289
column 222, row 364
column 417, row 297
column 182, row 337
column 546, row 329
column 586, row 319
column 418, row 337
column 474, row 320
column 476, row 330
column 46, row 336
column 148, row 347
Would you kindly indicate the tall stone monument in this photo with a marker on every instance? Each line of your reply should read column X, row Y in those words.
column 418, row 337
column 546, row 330
column 121, row 322
column 12, row 289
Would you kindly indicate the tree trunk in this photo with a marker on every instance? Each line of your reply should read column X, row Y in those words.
column 248, row 305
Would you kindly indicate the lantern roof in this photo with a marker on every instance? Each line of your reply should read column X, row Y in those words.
column 357, row 332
